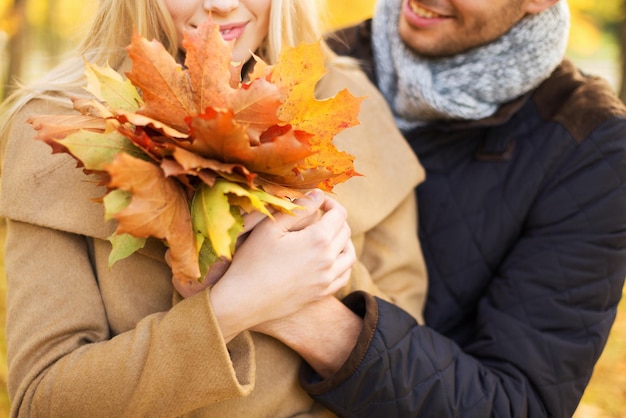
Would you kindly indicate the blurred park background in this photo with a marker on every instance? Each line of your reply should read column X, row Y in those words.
column 35, row 33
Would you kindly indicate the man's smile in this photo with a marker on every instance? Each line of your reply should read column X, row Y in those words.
column 422, row 11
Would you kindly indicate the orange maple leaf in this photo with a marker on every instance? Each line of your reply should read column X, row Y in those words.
column 219, row 136
column 165, row 86
column 208, row 60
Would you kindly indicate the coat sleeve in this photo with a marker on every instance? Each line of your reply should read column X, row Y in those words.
column 64, row 360
column 540, row 325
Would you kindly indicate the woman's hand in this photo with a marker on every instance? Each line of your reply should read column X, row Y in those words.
column 190, row 288
column 279, row 270
column 217, row 270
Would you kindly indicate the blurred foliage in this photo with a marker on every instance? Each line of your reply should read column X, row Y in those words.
column 590, row 19
column 53, row 26
column 605, row 396
column 9, row 21
column 347, row 12
column 35, row 33
column 60, row 18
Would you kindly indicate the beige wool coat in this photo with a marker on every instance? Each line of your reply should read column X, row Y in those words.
column 88, row 341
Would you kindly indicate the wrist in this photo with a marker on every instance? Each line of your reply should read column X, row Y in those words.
column 226, row 306
column 324, row 334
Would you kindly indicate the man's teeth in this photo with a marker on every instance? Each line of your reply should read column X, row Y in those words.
column 421, row 12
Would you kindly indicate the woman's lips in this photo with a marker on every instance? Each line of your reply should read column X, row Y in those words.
column 232, row 31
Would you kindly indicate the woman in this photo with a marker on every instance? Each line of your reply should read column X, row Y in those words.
column 85, row 340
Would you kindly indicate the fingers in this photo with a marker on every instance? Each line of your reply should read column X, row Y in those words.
column 331, row 228
column 333, row 225
column 343, row 268
column 306, row 256
column 313, row 206
column 278, row 271
column 332, row 204
column 316, row 207
column 191, row 287
column 252, row 219
column 310, row 202
column 321, row 224
column 307, row 215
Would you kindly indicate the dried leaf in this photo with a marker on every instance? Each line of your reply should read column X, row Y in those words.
column 109, row 86
column 219, row 136
column 256, row 106
column 115, row 201
column 165, row 86
column 158, row 208
column 96, row 150
column 208, row 60
column 123, row 245
column 212, row 217
column 52, row 127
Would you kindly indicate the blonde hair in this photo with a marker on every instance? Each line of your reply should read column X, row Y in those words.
column 291, row 22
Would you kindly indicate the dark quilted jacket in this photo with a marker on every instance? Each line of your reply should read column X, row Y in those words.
column 523, row 227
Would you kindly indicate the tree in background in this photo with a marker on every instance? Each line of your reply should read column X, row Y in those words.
column 11, row 35
column 35, row 33
column 621, row 34
column 597, row 26
column 347, row 12
column 593, row 23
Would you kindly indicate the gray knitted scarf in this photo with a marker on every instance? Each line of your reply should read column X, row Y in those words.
column 470, row 85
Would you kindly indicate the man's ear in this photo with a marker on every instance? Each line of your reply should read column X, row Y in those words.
column 536, row 6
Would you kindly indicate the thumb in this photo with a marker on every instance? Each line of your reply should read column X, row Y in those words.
column 308, row 213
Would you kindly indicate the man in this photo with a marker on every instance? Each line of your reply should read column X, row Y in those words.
column 522, row 220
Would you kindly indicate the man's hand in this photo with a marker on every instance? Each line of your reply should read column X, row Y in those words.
column 323, row 333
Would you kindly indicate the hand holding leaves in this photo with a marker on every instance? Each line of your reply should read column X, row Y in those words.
column 184, row 151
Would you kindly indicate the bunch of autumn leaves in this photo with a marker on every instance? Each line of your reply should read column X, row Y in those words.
column 185, row 151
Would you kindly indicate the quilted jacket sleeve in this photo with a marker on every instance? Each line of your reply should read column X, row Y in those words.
column 540, row 325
